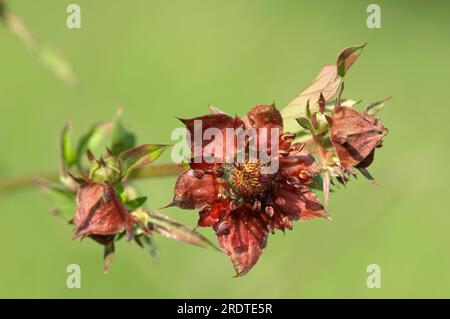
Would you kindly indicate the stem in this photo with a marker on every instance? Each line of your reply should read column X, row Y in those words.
column 320, row 149
column 15, row 183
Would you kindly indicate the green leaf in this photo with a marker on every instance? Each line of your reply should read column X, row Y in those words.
column 148, row 244
column 67, row 151
column 139, row 157
column 62, row 199
column 122, row 139
column 170, row 228
column 92, row 139
column 305, row 123
column 135, row 203
column 374, row 107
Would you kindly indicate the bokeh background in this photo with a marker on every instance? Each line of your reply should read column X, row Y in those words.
column 161, row 59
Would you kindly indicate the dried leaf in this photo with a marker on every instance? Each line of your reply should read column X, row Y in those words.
column 48, row 55
column 170, row 228
column 326, row 83
column 347, row 57
column 108, row 256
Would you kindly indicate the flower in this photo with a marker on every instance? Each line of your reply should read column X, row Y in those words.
column 236, row 198
column 355, row 135
column 100, row 213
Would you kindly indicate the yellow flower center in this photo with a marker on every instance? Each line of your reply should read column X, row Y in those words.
column 247, row 180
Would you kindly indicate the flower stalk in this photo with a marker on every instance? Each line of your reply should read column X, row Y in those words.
column 17, row 183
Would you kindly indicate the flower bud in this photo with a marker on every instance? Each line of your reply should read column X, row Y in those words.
column 100, row 212
column 105, row 170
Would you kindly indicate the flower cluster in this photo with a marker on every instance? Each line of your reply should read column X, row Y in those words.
column 245, row 182
column 100, row 202
column 242, row 204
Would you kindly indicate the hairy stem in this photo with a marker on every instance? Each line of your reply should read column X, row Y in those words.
column 15, row 183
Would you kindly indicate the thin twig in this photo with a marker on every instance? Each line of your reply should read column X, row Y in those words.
column 15, row 183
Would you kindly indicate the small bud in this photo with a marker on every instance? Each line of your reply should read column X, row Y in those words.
column 105, row 170
column 100, row 212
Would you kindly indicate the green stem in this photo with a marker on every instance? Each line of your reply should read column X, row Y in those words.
column 15, row 183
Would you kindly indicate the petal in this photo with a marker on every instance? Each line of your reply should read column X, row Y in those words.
column 197, row 127
column 264, row 116
column 210, row 215
column 87, row 197
column 242, row 235
column 194, row 192
column 299, row 164
column 300, row 204
column 100, row 212
column 355, row 135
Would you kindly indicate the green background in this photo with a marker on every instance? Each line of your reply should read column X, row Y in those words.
column 161, row 59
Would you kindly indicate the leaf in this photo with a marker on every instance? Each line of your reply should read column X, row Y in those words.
column 374, row 107
column 122, row 139
column 108, row 255
column 92, row 139
column 52, row 58
column 148, row 244
column 135, row 203
column 305, row 123
column 62, row 198
column 347, row 57
column 326, row 82
column 139, row 157
column 48, row 55
column 170, row 228
column 67, row 151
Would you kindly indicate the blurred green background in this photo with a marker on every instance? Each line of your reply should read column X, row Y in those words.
column 161, row 59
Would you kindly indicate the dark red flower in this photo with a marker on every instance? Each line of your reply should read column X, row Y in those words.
column 240, row 202
column 100, row 213
column 355, row 135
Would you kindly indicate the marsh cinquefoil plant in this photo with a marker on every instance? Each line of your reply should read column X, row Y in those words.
column 97, row 197
column 321, row 140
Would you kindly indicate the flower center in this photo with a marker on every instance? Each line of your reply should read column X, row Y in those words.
column 247, row 180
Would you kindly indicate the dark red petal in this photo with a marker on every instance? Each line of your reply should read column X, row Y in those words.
column 219, row 121
column 242, row 234
column 299, row 164
column 87, row 197
column 100, row 211
column 210, row 215
column 300, row 204
column 194, row 192
column 264, row 116
column 208, row 166
column 355, row 135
